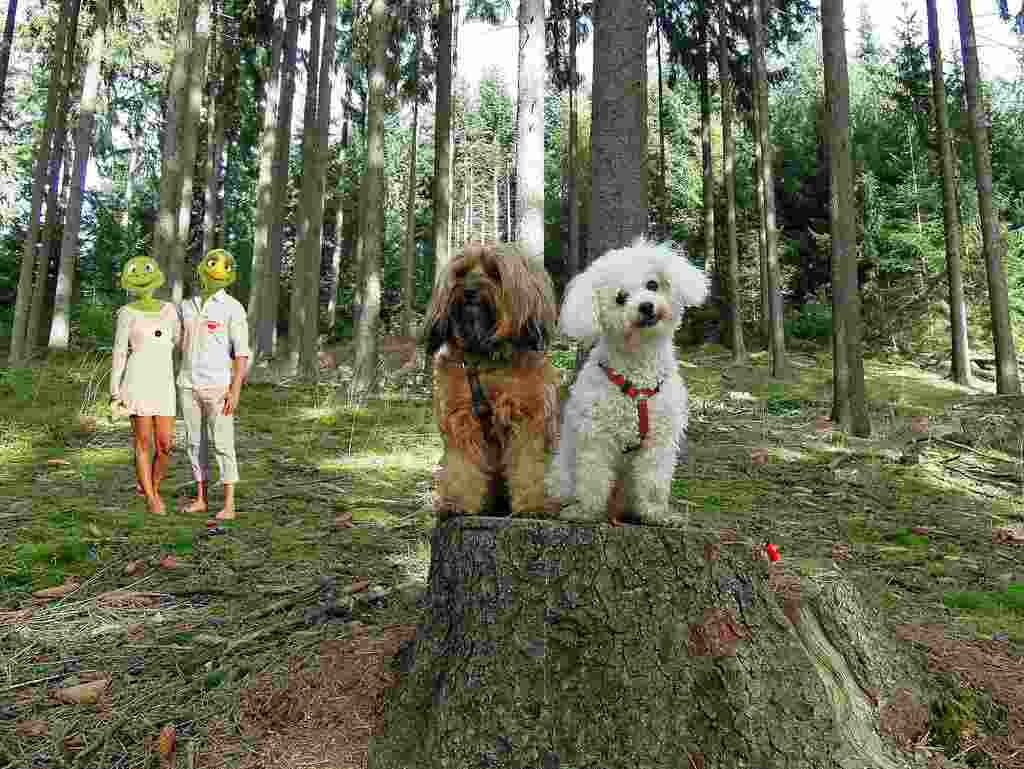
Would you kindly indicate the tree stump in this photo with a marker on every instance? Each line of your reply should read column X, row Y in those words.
column 547, row 645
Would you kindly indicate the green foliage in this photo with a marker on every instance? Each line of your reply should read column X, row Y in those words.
column 983, row 601
column 814, row 321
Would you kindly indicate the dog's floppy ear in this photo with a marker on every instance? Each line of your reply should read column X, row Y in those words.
column 579, row 317
column 438, row 334
column 689, row 284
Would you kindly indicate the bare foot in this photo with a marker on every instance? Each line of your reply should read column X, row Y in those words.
column 227, row 514
column 156, row 505
column 196, row 506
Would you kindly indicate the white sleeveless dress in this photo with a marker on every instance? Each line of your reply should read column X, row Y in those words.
column 142, row 374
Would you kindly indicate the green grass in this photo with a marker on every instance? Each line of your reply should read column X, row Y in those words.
column 987, row 602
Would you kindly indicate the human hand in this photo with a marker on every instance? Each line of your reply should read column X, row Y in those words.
column 231, row 398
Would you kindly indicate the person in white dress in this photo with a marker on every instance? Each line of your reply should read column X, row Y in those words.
column 142, row 374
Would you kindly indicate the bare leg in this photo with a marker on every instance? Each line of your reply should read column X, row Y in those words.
column 143, row 430
column 164, row 435
column 198, row 505
column 227, row 513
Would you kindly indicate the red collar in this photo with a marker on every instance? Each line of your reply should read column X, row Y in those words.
column 639, row 394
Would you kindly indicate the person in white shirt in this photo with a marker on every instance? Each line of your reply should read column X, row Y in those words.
column 214, row 359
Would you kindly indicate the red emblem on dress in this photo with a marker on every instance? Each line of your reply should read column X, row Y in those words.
column 212, row 325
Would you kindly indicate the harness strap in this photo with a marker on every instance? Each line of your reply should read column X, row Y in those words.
column 639, row 394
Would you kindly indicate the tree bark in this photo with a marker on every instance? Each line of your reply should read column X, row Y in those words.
column 572, row 186
column 960, row 365
column 849, row 407
column 777, row 339
column 373, row 214
column 530, row 131
column 298, row 315
column 707, row 166
column 662, row 171
column 177, row 276
column 5, row 48
column 166, row 232
column 762, row 250
column 279, row 201
column 226, row 65
column 50, row 242
column 618, row 139
column 409, row 250
column 545, row 645
column 23, row 302
column 309, row 362
column 60, row 328
column 993, row 242
column 739, row 350
column 442, row 139
column 265, row 186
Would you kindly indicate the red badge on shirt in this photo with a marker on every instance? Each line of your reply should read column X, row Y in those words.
column 212, row 325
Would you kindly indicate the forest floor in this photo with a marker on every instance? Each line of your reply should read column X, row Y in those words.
column 271, row 644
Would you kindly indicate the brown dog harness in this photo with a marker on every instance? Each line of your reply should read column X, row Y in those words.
column 640, row 394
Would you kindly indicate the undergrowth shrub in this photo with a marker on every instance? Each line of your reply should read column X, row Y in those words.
column 813, row 322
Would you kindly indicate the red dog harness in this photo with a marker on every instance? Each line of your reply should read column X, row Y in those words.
column 639, row 394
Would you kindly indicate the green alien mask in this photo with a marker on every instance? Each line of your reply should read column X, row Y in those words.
column 141, row 276
column 215, row 272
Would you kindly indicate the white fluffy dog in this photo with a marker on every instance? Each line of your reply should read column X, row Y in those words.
column 626, row 417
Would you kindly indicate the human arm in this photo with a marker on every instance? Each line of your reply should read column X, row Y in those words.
column 120, row 356
column 238, row 332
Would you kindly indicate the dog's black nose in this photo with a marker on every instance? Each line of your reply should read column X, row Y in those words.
column 646, row 308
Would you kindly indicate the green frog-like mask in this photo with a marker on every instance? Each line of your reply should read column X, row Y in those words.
column 216, row 271
column 141, row 276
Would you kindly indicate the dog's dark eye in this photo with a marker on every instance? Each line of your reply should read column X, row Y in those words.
column 652, row 285
column 621, row 297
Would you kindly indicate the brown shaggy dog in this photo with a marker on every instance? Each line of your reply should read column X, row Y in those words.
column 495, row 394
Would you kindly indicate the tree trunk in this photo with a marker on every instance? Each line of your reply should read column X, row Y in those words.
column 739, row 350
column 309, row 362
column 226, row 63
column 662, row 177
column 544, row 645
column 993, row 242
column 849, row 407
column 177, row 276
column 442, row 139
column 5, row 48
column 618, row 138
column 373, row 215
column 60, row 328
column 777, row 339
column 762, row 250
column 960, row 365
column 346, row 126
column 572, row 186
column 708, row 176
column 264, row 188
column 334, row 274
column 530, row 130
column 409, row 251
column 23, row 301
column 166, row 233
column 279, row 199
column 298, row 316
column 50, row 242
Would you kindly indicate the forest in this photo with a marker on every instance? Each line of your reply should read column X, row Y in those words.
column 850, row 178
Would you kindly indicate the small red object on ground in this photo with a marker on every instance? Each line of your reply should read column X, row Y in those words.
column 773, row 551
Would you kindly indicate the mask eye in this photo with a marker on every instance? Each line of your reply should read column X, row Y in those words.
column 148, row 268
column 652, row 285
column 130, row 268
column 621, row 297
column 229, row 267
